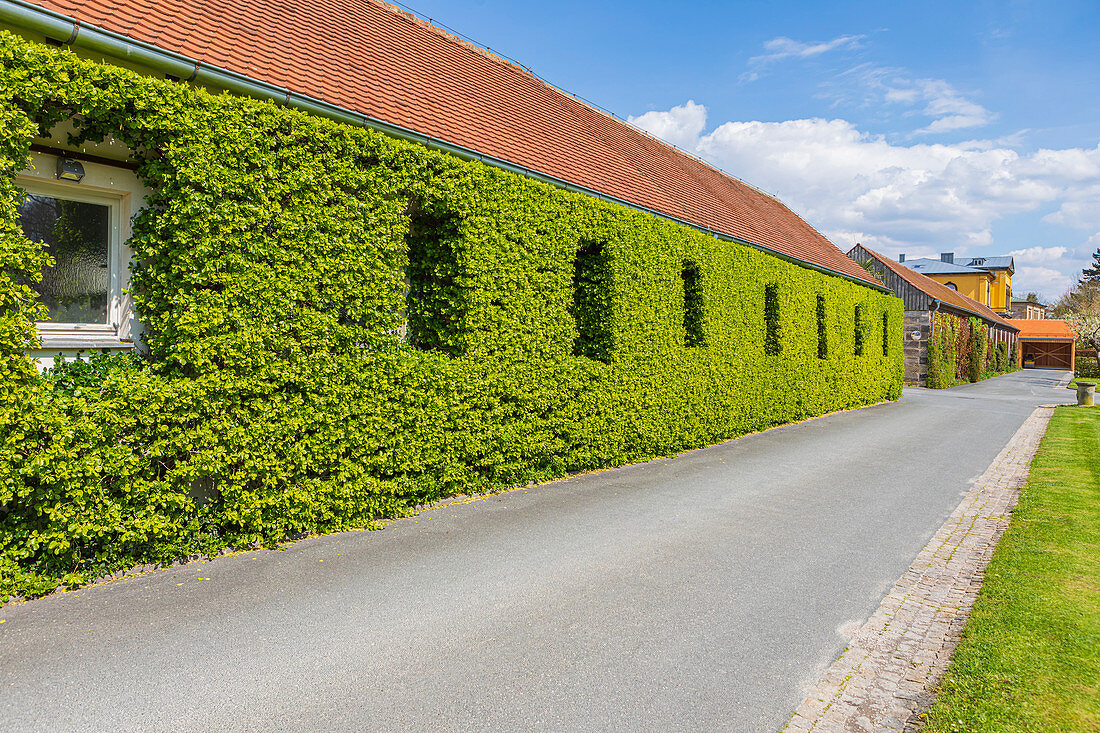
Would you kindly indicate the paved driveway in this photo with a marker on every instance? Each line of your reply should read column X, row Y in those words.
column 702, row 592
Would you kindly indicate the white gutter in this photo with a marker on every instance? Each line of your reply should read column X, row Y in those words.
column 21, row 14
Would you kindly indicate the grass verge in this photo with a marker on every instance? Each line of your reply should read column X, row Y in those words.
column 1030, row 654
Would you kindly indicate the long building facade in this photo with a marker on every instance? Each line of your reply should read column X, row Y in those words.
column 366, row 265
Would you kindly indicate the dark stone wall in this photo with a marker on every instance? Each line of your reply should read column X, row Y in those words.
column 916, row 350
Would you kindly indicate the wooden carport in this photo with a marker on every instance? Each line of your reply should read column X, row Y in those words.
column 1046, row 343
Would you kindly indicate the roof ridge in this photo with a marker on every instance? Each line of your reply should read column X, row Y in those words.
column 407, row 13
column 451, row 35
column 465, row 41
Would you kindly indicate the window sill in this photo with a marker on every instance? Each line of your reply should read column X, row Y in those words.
column 87, row 343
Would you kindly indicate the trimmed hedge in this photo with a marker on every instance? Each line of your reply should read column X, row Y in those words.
column 1086, row 366
column 293, row 386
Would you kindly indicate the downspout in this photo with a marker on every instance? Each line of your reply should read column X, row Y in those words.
column 69, row 31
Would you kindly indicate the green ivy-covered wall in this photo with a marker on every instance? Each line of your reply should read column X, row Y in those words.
column 961, row 351
column 343, row 326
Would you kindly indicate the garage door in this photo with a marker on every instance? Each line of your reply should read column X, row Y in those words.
column 1048, row 354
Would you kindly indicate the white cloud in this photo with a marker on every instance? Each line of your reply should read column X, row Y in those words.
column 781, row 48
column 784, row 48
column 1080, row 170
column 1039, row 255
column 868, row 84
column 849, row 181
column 1049, row 271
column 864, row 84
column 919, row 198
column 949, row 109
column 680, row 125
column 1080, row 212
column 1048, row 282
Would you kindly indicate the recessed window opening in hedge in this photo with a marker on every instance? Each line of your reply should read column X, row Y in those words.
column 885, row 335
column 591, row 307
column 79, row 212
column 771, row 319
column 693, row 305
column 822, row 338
column 859, row 330
column 434, row 300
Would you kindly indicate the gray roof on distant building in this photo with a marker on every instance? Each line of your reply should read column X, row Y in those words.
column 991, row 262
column 935, row 267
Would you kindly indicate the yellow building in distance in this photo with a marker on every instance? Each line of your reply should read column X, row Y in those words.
column 987, row 280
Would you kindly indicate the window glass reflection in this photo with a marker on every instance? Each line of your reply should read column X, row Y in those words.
column 76, row 234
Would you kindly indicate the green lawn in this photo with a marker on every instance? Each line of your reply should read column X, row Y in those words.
column 1030, row 654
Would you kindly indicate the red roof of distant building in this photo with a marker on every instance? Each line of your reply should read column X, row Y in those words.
column 939, row 291
column 379, row 61
column 1044, row 328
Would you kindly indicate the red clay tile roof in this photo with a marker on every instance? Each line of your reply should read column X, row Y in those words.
column 928, row 286
column 1043, row 328
column 372, row 58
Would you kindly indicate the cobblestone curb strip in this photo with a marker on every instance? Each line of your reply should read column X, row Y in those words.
column 886, row 676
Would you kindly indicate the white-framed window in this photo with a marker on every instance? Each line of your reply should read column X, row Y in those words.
column 85, row 226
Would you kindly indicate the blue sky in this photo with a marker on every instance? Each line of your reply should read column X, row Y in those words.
column 910, row 127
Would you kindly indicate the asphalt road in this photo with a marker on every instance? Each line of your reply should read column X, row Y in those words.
column 701, row 592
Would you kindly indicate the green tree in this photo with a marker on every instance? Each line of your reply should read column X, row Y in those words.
column 1092, row 274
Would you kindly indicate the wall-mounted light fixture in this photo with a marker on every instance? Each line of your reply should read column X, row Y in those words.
column 69, row 170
